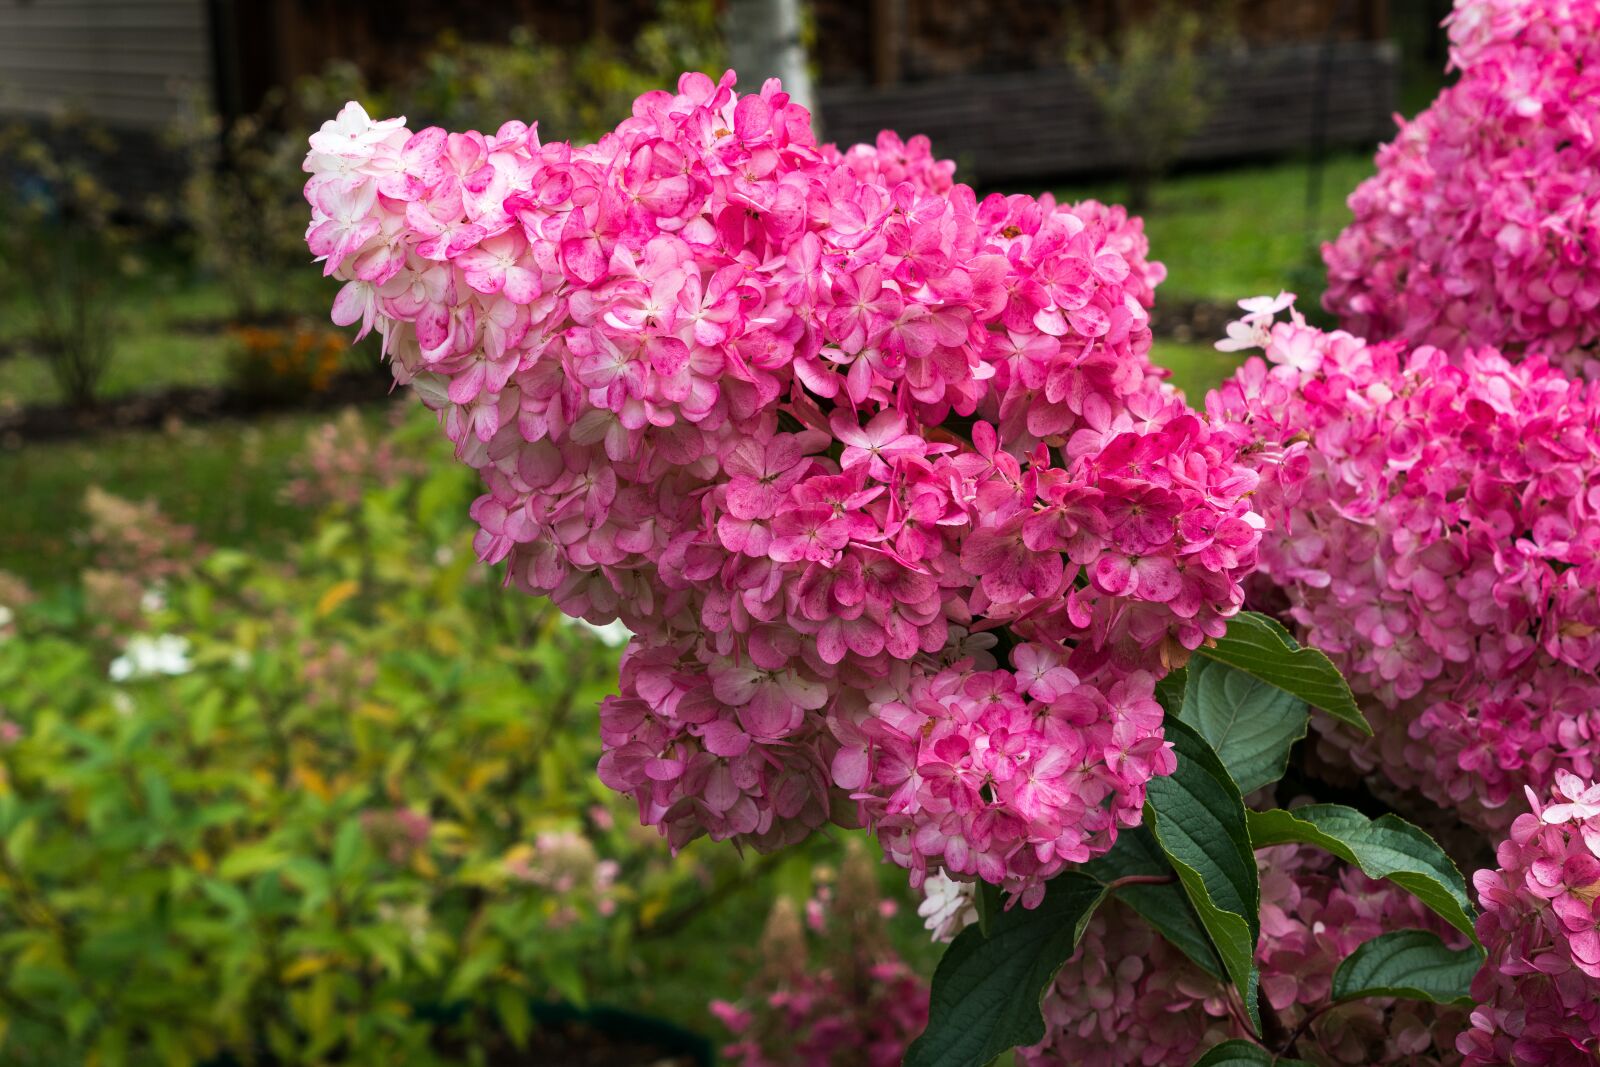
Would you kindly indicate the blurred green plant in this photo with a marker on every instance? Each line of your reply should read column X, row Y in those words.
column 241, row 200
column 66, row 243
column 574, row 93
column 1155, row 85
column 338, row 807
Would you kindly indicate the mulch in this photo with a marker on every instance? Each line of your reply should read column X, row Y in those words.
column 185, row 405
column 1192, row 320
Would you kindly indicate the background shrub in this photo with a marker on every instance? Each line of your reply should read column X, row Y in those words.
column 338, row 807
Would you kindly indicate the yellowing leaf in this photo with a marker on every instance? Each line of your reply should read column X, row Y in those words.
column 485, row 773
column 312, row 781
column 250, row 859
column 305, row 967
column 444, row 640
column 517, row 857
column 336, row 595
column 377, row 712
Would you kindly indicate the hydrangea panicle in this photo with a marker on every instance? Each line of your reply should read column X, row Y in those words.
column 1436, row 530
column 1480, row 227
column 879, row 474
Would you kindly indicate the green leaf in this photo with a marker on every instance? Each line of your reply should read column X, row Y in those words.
column 1165, row 907
column 511, row 1004
column 1237, row 1053
column 1387, row 847
column 1408, row 963
column 347, row 847
column 1263, row 649
column 477, row 966
column 986, row 990
column 1169, row 690
column 1198, row 819
column 251, row 859
column 988, row 902
column 1250, row 724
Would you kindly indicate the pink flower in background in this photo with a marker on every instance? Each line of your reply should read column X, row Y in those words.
column 398, row 832
column 830, row 988
column 1127, row 998
column 1481, row 226
column 1434, row 528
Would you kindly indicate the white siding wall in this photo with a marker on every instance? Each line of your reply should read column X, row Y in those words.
column 128, row 62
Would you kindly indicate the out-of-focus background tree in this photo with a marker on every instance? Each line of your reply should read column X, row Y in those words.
column 285, row 776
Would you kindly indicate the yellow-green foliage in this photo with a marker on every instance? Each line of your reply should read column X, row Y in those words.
column 358, row 824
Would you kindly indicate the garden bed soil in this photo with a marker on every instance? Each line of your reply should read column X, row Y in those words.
column 184, row 404
column 573, row 1044
column 565, row 1037
column 1191, row 320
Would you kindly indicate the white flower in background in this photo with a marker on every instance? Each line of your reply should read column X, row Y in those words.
column 1255, row 329
column 146, row 657
column 948, row 906
column 152, row 601
column 614, row 634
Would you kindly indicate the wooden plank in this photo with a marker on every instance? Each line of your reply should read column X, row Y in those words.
column 1042, row 123
column 128, row 61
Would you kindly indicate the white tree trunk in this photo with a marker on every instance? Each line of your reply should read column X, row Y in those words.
column 764, row 42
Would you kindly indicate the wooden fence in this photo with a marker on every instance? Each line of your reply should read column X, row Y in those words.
column 1042, row 124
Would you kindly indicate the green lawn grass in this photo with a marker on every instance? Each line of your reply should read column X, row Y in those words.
column 226, row 478
column 166, row 335
column 1230, row 234
column 1195, row 367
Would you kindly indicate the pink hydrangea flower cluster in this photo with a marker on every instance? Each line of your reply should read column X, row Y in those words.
column 1127, row 998
column 831, row 988
column 819, row 1021
column 1482, row 225
column 1538, row 994
column 879, row 475
column 1436, row 530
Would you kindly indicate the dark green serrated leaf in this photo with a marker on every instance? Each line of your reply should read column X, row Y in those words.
column 1164, row 907
column 1198, row 819
column 986, row 990
column 1387, row 847
column 1408, row 963
column 1250, row 724
column 1278, row 628
column 1238, row 1053
column 1263, row 649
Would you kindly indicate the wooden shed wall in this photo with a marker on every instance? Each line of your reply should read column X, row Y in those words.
column 128, row 62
